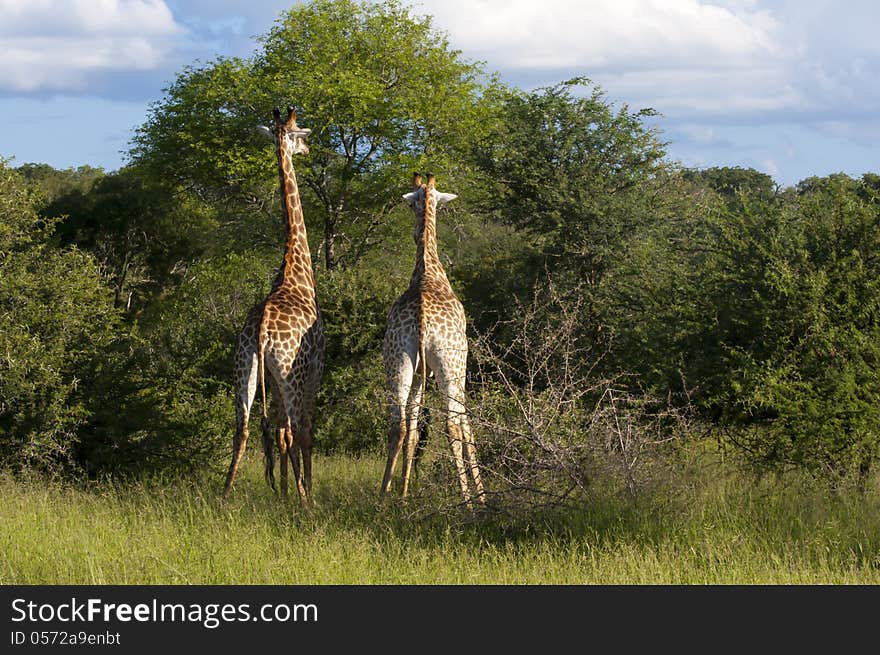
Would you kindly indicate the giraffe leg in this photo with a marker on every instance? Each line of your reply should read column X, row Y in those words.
column 268, row 451
column 396, row 436
column 306, row 434
column 456, row 442
column 307, row 468
column 449, row 381
column 292, row 410
column 423, row 424
column 294, row 445
column 400, row 376
column 307, row 426
column 413, row 411
column 471, row 456
column 246, row 388
column 295, row 449
column 283, row 447
column 239, row 441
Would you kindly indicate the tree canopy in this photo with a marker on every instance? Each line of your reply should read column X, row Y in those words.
column 382, row 90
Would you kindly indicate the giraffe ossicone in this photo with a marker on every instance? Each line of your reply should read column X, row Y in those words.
column 282, row 340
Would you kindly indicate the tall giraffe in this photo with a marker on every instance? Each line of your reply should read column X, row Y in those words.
column 426, row 330
column 283, row 335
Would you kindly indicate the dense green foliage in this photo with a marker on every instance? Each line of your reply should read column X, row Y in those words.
column 797, row 299
column 121, row 293
column 57, row 320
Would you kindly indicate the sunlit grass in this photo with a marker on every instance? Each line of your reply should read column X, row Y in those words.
column 716, row 529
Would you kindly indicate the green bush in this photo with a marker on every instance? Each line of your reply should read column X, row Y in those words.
column 797, row 300
column 352, row 407
column 57, row 320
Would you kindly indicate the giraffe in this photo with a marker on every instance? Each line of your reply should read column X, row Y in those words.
column 283, row 336
column 426, row 331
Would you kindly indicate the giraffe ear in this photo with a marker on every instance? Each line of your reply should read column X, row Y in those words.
column 409, row 196
column 265, row 131
column 443, row 198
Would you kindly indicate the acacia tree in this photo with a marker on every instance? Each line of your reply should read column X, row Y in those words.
column 766, row 304
column 794, row 295
column 580, row 177
column 381, row 89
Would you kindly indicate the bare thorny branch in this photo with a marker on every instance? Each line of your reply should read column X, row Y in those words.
column 547, row 426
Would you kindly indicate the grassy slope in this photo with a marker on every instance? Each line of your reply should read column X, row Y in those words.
column 727, row 530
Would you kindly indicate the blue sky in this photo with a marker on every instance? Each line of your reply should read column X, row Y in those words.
column 789, row 88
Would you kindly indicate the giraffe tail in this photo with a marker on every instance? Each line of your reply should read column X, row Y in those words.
column 261, row 367
column 422, row 360
column 265, row 427
column 268, row 452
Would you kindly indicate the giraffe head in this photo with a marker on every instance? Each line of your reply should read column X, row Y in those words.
column 425, row 196
column 287, row 132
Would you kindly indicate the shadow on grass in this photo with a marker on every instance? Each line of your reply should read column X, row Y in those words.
column 708, row 503
column 434, row 514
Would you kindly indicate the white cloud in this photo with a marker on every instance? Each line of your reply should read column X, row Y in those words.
column 769, row 166
column 57, row 44
column 607, row 35
column 788, row 86
column 686, row 58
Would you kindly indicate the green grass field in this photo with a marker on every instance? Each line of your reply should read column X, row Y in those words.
column 716, row 528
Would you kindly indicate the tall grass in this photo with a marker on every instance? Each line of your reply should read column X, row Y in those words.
column 718, row 527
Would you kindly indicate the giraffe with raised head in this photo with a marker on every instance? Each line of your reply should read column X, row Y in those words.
column 283, row 336
column 426, row 332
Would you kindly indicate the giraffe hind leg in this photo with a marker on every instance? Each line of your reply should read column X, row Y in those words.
column 450, row 377
column 307, row 427
column 239, row 441
column 396, row 436
column 423, row 424
column 306, row 447
column 413, row 411
column 294, row 453
column 471, row 456
column 454, row 434
column 400, row 377
column 246, row 387
column 294, row 443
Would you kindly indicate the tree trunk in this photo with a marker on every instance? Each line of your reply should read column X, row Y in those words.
column 329, row 235
column 119, row 283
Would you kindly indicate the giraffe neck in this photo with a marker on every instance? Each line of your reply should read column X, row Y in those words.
column 428, row 264
column 297, row 264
